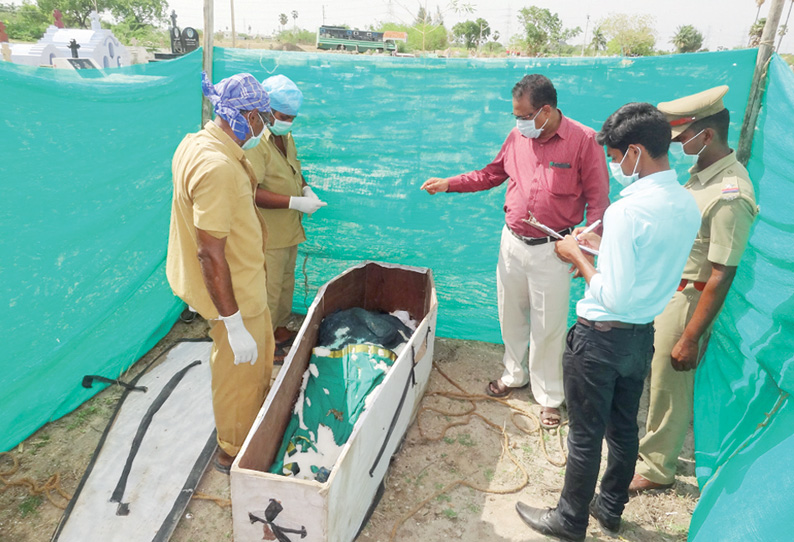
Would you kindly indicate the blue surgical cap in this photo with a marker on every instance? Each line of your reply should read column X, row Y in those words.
column 285, row 97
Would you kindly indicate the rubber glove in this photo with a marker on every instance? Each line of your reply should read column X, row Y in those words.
column 306, row 205
column 309, row 193
column 242, row 343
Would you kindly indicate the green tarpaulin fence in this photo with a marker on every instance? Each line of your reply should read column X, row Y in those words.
column 85, row 180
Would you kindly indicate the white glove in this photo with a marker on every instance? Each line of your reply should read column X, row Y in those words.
column 242, row 343
column 305, row 204
column 309, row 193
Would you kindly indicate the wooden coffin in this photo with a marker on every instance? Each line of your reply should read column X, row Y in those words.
column 336, row 510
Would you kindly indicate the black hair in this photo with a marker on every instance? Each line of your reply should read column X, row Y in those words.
column 539, row 88
column 719, row 122
column 636, row 123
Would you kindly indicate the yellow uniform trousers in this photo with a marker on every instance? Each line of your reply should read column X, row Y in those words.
column 280, row 264
column 238, row 391
column 671, row 392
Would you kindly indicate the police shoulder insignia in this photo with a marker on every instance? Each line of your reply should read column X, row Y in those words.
column 730, row 191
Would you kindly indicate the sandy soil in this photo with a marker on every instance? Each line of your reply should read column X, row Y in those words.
column 430, row 461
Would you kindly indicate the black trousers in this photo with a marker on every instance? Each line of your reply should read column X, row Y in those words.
column 603, row 376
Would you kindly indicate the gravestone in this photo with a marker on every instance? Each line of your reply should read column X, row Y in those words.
column 190, row 39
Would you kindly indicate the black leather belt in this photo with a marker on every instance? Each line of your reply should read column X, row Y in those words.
column 610, row 324
column 532, row 241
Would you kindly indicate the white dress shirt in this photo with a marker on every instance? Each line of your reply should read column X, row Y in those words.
column 648, row 235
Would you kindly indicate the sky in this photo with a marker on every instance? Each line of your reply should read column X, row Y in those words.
column 723, row 23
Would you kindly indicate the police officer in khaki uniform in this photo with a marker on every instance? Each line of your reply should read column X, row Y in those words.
column 725, row 196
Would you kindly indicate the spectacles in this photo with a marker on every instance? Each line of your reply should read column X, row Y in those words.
column 530, row 116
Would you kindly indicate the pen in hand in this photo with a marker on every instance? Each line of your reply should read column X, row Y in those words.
column 588, row 229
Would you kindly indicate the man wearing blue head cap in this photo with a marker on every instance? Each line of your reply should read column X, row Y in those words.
column 283, row 198
column 216, row 253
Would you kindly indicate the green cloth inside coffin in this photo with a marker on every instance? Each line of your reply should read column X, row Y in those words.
column 338, row 384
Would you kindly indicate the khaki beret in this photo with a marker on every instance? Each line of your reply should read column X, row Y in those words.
column 681, row 113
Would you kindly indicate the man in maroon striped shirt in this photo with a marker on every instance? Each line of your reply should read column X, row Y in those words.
column 555, row 169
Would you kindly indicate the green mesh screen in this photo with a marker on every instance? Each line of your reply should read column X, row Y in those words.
column 85, row 173
column 84, row 212
column 372, row 129
column 744, row 418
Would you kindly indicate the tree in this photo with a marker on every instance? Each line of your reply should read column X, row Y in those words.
column 755, row 32
column 544, row 30
column 629, row 35
column 687, row 39
column 294, row 19
column 472, row 33
column 75, row 12
column 759, row 3
column 599, row 41
column 283, row 20
column 138, row 13
column 784, row 27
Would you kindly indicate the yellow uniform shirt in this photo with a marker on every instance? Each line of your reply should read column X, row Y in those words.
column 214, row 191
column 725, row 196
column 282, row 175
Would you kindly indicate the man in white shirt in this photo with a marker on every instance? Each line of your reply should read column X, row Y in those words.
column 647, row 237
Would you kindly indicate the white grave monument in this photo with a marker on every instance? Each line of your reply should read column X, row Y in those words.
column 97, row 43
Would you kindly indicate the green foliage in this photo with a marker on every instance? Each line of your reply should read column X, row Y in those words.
column 687, row 39
column 25, row 22
column 629, row 35
column 450, row 513
column 137, row 14
column 471, row 33
column 544, row 31
column 755, row 32
column 425, row 34
column 297, row 36
column 493, row 48
column 599, row 41
column 30, row 505
column 147, row 36
column 75, row 12
column 282, row 19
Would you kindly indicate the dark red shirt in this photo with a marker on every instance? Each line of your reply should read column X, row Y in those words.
column 555, row 179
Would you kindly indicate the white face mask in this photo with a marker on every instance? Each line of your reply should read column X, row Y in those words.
column 253, row 141
column 527, row 127
column 681, row 156
column 617, row 170
column 280, row 127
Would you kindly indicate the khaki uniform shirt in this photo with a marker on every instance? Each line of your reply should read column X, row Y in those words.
column 214, row 191
column 725, row 196
column 282, row 175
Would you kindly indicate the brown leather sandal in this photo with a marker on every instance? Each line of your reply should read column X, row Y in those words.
column 550, row 417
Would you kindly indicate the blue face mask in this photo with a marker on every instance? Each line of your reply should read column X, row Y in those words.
column 617, row 170
column 253, row 141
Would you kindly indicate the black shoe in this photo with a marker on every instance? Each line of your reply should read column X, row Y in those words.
column 547, row 521
column 609, row 526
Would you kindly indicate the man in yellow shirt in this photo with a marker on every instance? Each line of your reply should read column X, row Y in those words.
column 216, row 253
column 282, row 197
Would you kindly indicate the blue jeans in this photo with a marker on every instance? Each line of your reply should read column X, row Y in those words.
column 603, row 375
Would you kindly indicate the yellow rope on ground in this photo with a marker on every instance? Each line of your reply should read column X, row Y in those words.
column 470, row 413
column 223, row 503
column 53, row 483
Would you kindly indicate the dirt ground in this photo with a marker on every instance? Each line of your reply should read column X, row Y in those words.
column 421, row 500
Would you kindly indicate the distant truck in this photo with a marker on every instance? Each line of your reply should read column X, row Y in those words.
column 344, row 39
